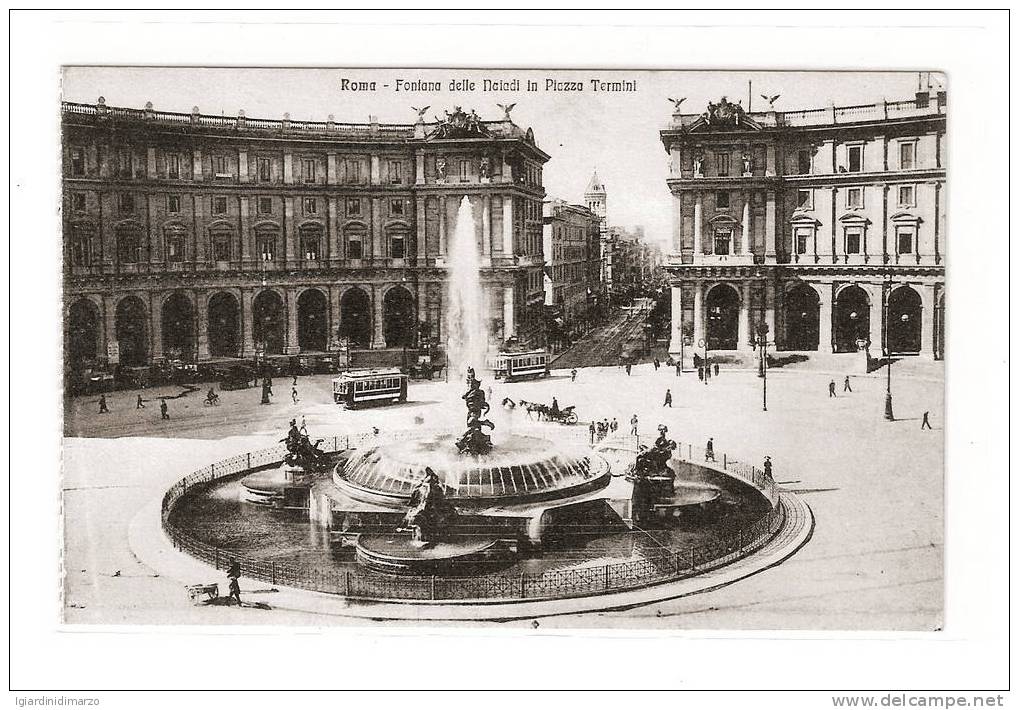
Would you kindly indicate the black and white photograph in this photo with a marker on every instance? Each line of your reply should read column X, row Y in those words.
column 457, row 348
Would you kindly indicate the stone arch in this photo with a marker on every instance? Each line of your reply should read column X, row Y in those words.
column 722, row 303
column 179, row 326
column 269, row 321
column 312, row 320
column 398, row 317
column 131, row 330
column 802, row 317
column 905, row 316
column 84, row 334
column 356, row 317
column 851, row 316
column 224, row 324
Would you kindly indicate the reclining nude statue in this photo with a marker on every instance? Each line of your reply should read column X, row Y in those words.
column 429, row 513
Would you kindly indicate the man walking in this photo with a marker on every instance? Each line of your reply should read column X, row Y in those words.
column 668, row 399
column 139, row 403
column 573, row 375
column 293, row 395
column 679, row 368
column 633, row 425
column 831, row 389
column 628, row 369
column 845, row 385
column 233, row 573
column 926, row 423
column 591, row 429
column 709, row 450
column 614, row 425
column 163, row 409
column 103, row 409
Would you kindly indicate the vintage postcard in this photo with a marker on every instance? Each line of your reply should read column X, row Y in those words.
column 544, row 347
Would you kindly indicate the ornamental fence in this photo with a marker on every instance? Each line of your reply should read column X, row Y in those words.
column 654, row 566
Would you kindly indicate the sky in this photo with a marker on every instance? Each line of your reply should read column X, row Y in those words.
column 613, row 132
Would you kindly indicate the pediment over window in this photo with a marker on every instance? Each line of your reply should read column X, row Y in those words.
column 905, row 218
column 720, row 220
column 854, row 219
column 802, row 220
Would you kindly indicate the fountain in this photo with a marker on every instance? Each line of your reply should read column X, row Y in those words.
column 466, row 325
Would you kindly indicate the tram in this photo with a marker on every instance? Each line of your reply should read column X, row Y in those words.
column 520, row 365
column 370, row 388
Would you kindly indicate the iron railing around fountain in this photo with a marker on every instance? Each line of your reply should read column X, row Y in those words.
column 653, row 566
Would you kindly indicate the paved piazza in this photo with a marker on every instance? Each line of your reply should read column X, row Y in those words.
column 874, row 561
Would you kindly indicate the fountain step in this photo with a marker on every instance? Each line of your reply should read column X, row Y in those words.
column 398, row 553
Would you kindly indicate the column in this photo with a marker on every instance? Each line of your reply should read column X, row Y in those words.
column 378, row 335
column 876, row 296
column 154, row 235
column 247, row 257
column 824, row 344
column 419, row 168
column 509, row 326
column 332, row 177
column 676, row 339
column 291, row 347
column 150, row 164
column 697, row 210
column 196, row 165
column 507, row 226
column 288, row 167
column 420, row 226
column 743, row 337
column 156, row 325
column 375, row 174
column 422, row 303
column 927, row 321
column 247, row 325
column 109, row 324
column 289, row 254
column 486, row 229
column 442, row 226
column 378, row 248
column 202, row 321
column 769, row 309
column 769, row 226
column 677, row 223
column 331, row 252
column 746, row 251
column 769, row 161
column 699, row 333
column 242, row 166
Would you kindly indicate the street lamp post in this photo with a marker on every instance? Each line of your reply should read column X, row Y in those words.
column 889, row 415
column 762, row 365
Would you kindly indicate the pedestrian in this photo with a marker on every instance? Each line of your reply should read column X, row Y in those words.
column 163, row 409
column 709, row 450
column 139, row 403
column 628, row 369
column 268, row 383
column 657, row 364
column 614, row 425
column 266, row 391
column 591, row 429
column 716, row 369
column 767, row 468
column 233, row 573
column 633, row 425
column 606, row 426
column 304, row 426
column 103, row 409
column 555, row 407
column 700, row 373
column 573, row 375
column 293, row 395
column 707, row 371
column 295, row 381
column 831, row 389
column 926, row 423
column 679, row 368
column 668, row 399
column 845, row 385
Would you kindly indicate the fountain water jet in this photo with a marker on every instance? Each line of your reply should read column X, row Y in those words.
column 466, row 325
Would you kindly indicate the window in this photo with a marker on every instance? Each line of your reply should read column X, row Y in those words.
column 854, row 240
column 803, row 162
column 264, row 170
column 723, row 164
column 77, row 161
column 264, row 205
column 353, row 207
column 855, row 158
column 128, row 244
column 854, row 197
column 124, row 164
column 173, row 166
column 175, row 239
column 463, row 170
column 310, row 205
column 221, row 240
column 907, row 155
column 722, row 241
column 396, row 208
column 77, row 201
column 308, row 169
column 804, row 199
column 394, row 172
column 266, row 241
column 309, row 247
column 721, row 200
column 125, row 202
column 220, row 166
column 907, row 196
column 904, row 240
column 173, row 204
column 396, row 246
column 81, row 244
column 218, row 205
column 353, row 171
column 803, row 238
column 354, row 246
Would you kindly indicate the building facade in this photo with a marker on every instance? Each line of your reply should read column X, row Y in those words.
column 572, row 249
column 826, row 225
column 201, row 237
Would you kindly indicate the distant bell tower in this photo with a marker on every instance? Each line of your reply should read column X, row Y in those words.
column 595, row 198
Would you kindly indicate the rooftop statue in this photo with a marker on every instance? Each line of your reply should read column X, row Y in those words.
column 459, row 124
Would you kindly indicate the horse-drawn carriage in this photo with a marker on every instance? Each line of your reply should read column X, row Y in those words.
column 543, row 412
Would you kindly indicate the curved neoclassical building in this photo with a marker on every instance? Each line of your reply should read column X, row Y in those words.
column 828, row 225
column 202, row 237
